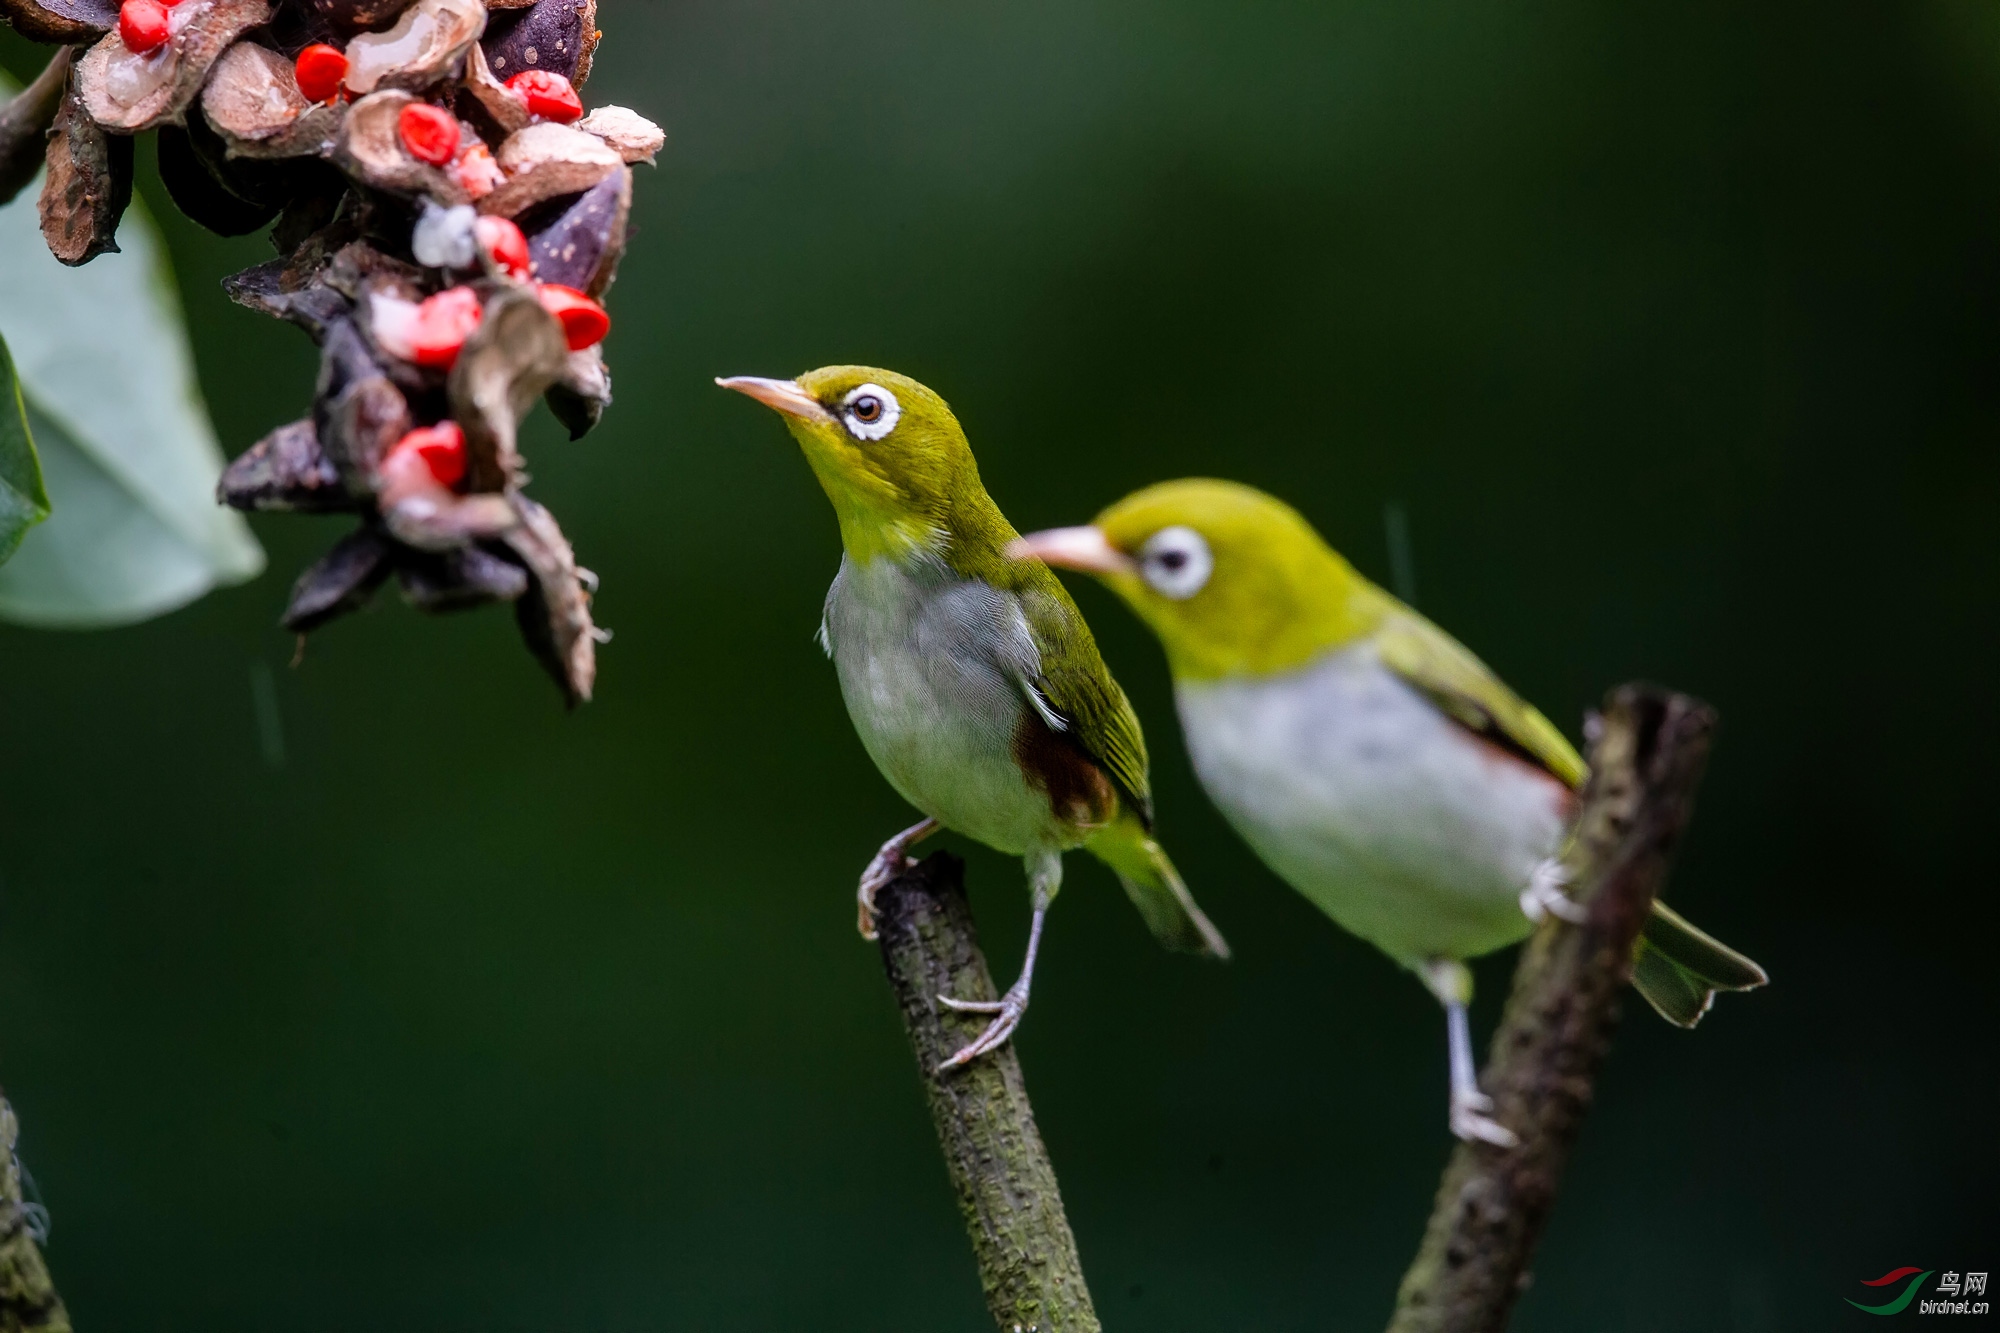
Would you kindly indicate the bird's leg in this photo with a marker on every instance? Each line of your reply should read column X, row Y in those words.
column 1451, row 982
column 891, row 861
column 1544, row 895
column 1046, row 876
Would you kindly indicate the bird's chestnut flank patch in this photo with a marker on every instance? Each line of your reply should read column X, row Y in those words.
column 320, row 70
column 584, row 322
column 447, row 216
column 429, row 133
column 505, row 244
column 547, row 94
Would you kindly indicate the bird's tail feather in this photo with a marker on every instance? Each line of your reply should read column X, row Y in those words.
column 1679, row 968
column 1156, row 888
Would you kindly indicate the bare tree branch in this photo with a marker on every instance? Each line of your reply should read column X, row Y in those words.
column 1648, row 752
column 999, row 1169
column 28, row 1299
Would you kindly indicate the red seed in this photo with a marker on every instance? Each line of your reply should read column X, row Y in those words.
column 429, row 132
column 320, row 70
column 441, row 448
column 547, row 94
column 143, row 25
column 505, row 244
column 443, row 324
column 584, row 322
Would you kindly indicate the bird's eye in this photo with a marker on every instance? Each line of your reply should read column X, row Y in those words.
column 1176, row 563
column 870, row 412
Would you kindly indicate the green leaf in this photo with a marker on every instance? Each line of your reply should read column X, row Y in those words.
column 23, row 502
column 127, row 451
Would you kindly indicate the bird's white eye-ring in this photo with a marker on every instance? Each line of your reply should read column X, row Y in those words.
column 1176, row 562
column 870, row 412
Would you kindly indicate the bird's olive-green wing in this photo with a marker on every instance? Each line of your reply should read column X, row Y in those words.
column 1079, row 687
column 1462, row 686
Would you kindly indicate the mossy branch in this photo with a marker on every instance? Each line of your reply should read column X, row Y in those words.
column 28, row 1299
column 1649, row 747
column 999, row 1169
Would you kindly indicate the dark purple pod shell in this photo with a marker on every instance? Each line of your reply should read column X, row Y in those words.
column 285, row 471
column 444, row 581
column 313, row 308
column 582, row 247
column 61, row 20
column 556, row 35
column 342, row 582
column 198, row 192
column 358, row 413
column 355, row 15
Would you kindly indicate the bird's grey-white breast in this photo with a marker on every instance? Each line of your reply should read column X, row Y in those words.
column 1400, row 824
column 936, row 671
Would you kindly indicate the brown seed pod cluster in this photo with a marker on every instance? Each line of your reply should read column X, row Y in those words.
column 447, row 219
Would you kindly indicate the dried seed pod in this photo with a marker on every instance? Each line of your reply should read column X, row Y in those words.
column 61, row 20
column 558, row 35
column 554, row 615
column 24, row 126
column 579, row 398
column 354, row 15
column 253, row 101
column 128, row 92
column 201, row 194
column 492, row 97
column 442, row 582
column 341, row 582
column 581, row 248
column 513, row 358
column 314, row 307
column 547, row 161
column 636, row 138
column 287, row 471
column 358, row 412
column 88, row 185
column 437, row 520
column 370, row 148
column 358, row 270
column 423, row 48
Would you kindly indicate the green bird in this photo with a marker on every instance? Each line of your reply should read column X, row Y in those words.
column 1370, row 760
column 972, row 679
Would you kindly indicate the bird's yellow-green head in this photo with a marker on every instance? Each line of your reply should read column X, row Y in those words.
column 1234, row 581
column 888, row 452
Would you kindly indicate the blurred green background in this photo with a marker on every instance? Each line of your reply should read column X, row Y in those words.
column 1671, row 327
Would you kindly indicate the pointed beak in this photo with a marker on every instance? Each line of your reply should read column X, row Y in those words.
column 1084, row 548
column 783, row 395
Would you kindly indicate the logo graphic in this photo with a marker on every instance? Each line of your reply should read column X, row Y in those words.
column 1950, row 1285
column 1902, row 1302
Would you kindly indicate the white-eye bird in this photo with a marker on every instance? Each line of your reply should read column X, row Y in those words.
column 1374, row 763
column 972, row 679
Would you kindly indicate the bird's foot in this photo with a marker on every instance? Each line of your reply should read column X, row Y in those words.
column 1007, row 1012
column 891, row 861
column 1544, row 895
column 1470, row 1122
